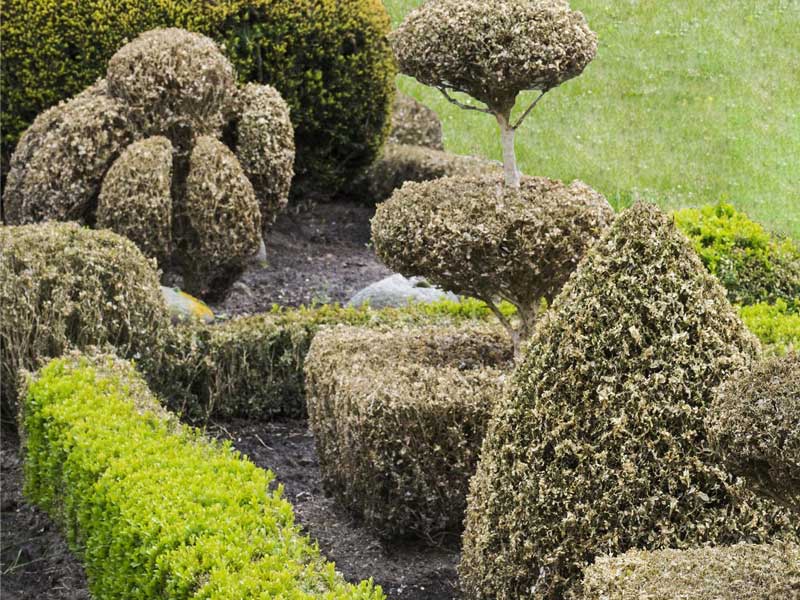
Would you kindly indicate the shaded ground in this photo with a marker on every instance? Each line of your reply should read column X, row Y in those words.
column 319, row 254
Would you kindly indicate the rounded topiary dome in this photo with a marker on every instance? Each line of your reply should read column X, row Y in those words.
column 62, row 158
column 478, row 237
column 174, row 83
column 494, row 49
column 754, row 424
column 136, row 197
column 601, row 446
column 265, row 146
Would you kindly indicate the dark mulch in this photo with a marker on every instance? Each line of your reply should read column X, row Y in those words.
column 319, row 254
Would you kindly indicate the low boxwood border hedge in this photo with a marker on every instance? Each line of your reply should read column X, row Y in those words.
column 153, row 509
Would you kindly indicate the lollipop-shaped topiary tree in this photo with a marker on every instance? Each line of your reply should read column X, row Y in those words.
column 493, row 50
column 517, row 239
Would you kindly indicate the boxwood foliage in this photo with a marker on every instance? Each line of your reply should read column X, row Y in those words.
column 252, row 366
column 753, row 265
column 601, row 446
column 330, row 60
column 740, row 572
column 62, row 287
column 398, row 417
column 776, row 325
column 754, row 424
column 152, row 508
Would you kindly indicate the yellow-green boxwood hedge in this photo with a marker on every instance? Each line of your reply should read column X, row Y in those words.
column 330, row 60
column 153, row 509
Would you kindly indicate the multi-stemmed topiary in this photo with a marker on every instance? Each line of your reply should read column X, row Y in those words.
column 602, row 446
column 142, row 153
column 513, row 238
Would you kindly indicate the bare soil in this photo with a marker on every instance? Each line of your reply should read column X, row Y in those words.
column 319, row 254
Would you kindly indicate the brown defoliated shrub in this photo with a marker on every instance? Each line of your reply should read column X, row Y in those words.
column 494, row 49
column 62, row 158
column 136, row 200
column 478, row 237
column 601, row 446
column 220, row 219
column 62, row 287
column 740, row 572
column 174, row 83
column 265, row 146
column 398, row 416
column 414, row 124
column 754, row 425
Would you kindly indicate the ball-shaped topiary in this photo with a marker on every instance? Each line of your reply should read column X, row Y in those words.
column 478, row 237
column 222, row 221
column 414, row 124
column 61, row 160
column 136, row 198
column 174, row 83
column 329, row 59
column 601, row 445
column 754, row 424
column 62, row 287
column 265, row 146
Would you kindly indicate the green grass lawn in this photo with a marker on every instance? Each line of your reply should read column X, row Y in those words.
column 688, row 102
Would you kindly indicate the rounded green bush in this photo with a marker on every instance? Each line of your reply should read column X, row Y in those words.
column 414, row 124
column 754, row 425
column 62, row 287
column 265, row 146
column 329, row 59
column 136, row 201
column 60, row 162
column 601, row 446
column 221, row 221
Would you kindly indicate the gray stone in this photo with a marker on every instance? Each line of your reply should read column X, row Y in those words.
column 398, row 291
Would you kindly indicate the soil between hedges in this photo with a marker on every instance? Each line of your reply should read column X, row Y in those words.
column 319, row 254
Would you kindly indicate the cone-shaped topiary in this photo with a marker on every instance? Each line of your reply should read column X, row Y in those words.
column 222, row 225
column 61, row 160
column 135, row 200
column 601, row 445
column 493, row 50
column 265, row 146
column 754, row 424
column 478, row 237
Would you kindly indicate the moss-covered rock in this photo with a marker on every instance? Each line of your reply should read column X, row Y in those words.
column 414, row 124
column 62, row 287
column 136, row 197
column 602, row 445
column 220, row 219
column 60, row 162
column 265, row 146
column 754, row 425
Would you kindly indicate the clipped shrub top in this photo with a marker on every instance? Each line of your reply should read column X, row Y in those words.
column 265, row 145
column 475, row 236
column 62, row 287
column 754, row 425
column 329, row 59
column 740, row 572
column 62, row 158
column 175, row 83
column 494, row 49
column 152, row 508
column 753, row 265
column 776, row 325
column 415, row 124
column 601, row 447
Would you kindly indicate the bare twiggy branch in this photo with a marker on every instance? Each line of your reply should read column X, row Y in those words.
column 460, row 104
column 528, row 110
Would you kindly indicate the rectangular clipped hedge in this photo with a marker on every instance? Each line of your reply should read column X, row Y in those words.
column 253, row 366
column 740, row 572
column 153, row 509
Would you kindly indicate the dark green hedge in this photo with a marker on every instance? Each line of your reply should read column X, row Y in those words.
column 152, row 508
column 330, row 59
